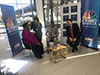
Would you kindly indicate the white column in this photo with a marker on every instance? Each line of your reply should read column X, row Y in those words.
column 39, row 8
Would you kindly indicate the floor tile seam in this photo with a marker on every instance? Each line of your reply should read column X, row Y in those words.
column 25, row 69
column 40, row 70
column 93, row 59
column 64, row 71
column 28, row 71
column 93, row 69
column 51, row 66
column 49, row 73
column 70, row 63
column 53, row 71
column 59, row 69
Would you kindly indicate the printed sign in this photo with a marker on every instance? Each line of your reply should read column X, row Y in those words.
column 12, row 28
column 89, row 22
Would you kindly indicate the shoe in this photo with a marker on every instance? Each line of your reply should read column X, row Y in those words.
column 76, row 49
column 73, row 50
column 48, row 51
column 39, row 57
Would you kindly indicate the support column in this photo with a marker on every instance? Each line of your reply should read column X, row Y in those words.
column 39, row 8
column 31, row 8
column 51, row 7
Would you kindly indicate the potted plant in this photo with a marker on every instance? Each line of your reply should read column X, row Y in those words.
column 58, row 43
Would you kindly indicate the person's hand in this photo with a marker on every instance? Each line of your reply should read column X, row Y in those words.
column 33, row 31
column 30, row 30
column 71, row 39
column 39, row 44
column 51, row 37
column 29, row 23
column 74, row 39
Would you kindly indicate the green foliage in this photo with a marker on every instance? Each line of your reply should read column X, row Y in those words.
column 58, row 42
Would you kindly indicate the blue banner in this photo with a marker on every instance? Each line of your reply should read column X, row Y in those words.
column 12, row 28
column 90, row 23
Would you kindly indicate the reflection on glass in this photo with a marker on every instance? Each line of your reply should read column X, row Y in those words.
column 55, row 14
column 22, row 9
column 59, row 13
column 47, row 13
column 46, row 1
column 55, row 2
column 69, row 2
column 75, row 1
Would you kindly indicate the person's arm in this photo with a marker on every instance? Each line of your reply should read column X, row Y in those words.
column 67, row 32
column 47, row 32
column 29, row 38
column 57, row 33
column 32, row 26
column 40, row 28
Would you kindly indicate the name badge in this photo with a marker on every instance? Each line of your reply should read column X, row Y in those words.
column 36, row 29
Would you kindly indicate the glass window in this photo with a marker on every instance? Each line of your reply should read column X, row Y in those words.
column 46, row 1
column 47, row 13
column 59, row 13
column 54, row 1
column 56, row 12
column 23, row 11
column 75, row 1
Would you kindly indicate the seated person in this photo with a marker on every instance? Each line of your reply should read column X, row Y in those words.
column 73, row 35
column 51, row 33
column 29, row 38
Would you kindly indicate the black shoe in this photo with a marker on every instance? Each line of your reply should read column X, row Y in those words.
column 73, row 50
column 48, row 51
column 76, row 49
column 39, row 57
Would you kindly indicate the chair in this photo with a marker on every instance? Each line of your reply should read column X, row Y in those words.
column 27, row 50
column 51, row 41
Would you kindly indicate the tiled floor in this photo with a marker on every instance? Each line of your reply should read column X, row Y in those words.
column 85, row 62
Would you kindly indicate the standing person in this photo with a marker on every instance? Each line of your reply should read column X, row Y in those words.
column 51, row 33
column 37, row 26
column 29, row 38
column 73, row 34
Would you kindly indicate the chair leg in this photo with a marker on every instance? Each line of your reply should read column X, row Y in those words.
column 27, row 53
column 79, row 48
column 31, row 53
column 24, row 52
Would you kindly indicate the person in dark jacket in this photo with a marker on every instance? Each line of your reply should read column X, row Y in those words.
column 37, row 26
column 73, row 35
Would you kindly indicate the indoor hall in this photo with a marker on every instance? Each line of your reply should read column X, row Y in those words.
column 85, row 61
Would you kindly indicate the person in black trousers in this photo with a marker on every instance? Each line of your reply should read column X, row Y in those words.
column 73, row 35
column 30, row 42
